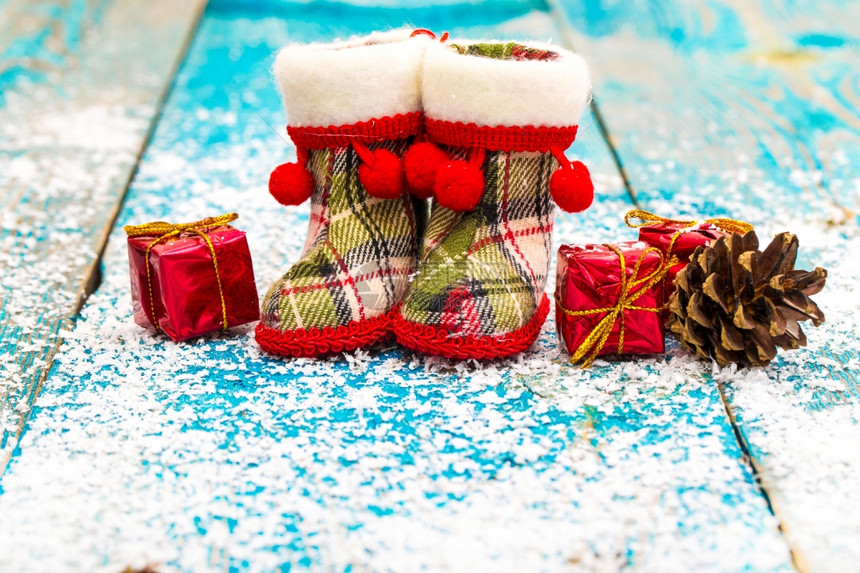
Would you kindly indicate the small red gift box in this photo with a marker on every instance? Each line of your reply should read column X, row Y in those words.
column 191, row 279
column 680, row 238
column 688, row 238
column 608, row 300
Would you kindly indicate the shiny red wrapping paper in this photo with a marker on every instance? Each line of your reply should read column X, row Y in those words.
column 689, row 237
column 589, row 277
column 185, row 299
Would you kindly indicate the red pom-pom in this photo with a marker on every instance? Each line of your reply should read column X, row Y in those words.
column 571, row 187
column 291, row 184
column 421, row 162
column 382, row 176
column 459, row 185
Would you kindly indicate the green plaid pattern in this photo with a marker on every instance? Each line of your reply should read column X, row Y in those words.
column 438, row 227
column 358, row 255
column 505, row 51
column 483, row 272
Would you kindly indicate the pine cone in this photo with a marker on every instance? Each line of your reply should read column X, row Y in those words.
column 737, row 304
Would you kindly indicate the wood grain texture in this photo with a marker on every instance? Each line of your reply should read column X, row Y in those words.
column 708, row 110
column 380, row 459
column 80, row 85
column 750, row 109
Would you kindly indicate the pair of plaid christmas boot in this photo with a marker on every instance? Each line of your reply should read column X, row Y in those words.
column 391, row 125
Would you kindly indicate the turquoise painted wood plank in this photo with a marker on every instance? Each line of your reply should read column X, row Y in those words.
column 712, row 103
column 385, row 460
column 750, row 109
column 80, row 84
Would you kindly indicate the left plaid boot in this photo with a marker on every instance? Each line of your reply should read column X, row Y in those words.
column 499, row 117
column 353, row 108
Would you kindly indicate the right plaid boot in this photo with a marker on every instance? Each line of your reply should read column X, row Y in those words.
column 353, row 108
column 499, row 117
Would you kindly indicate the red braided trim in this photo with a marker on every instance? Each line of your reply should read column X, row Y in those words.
column 500, row 137
column 430, row 340
column 321, row 341
column 398, row 126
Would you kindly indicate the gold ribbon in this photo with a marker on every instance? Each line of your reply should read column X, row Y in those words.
column 631, row 288
column 164, row 231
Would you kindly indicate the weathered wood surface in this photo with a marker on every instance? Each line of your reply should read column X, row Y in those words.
column 225, row 458
column 80, row 84
column 751, row 109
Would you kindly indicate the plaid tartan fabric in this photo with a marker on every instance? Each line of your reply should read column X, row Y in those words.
column 358, row 255
column 505, row 51
column 483, row 272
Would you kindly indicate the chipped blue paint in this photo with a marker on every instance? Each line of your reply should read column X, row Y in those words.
column 723, row 31
column 820, row 40
column 742, row 104
column 31, row 56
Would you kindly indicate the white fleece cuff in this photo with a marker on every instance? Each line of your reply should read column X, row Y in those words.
column 492, row 92
column 348, row 82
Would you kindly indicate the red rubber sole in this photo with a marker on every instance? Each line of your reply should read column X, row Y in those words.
column 436, row 341
column 315, row 342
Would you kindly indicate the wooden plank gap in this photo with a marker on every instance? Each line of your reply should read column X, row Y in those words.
column 563, row 24
column 604, row 131
column 91, row 277
column 94, row 275
column 797, row 558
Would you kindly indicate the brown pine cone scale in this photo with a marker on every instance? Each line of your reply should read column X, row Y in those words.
column 737, row 304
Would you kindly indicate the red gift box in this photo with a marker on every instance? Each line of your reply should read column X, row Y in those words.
column 689, row 237
column 191, row 279
column 608, row 300
column 685, row 244
column 680, row 239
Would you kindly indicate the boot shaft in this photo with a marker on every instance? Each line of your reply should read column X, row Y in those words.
column 500, row 116
column 353, row 108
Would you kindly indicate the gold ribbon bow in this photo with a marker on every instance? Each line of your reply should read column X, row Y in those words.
column 164, row 231
column 631, row 289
